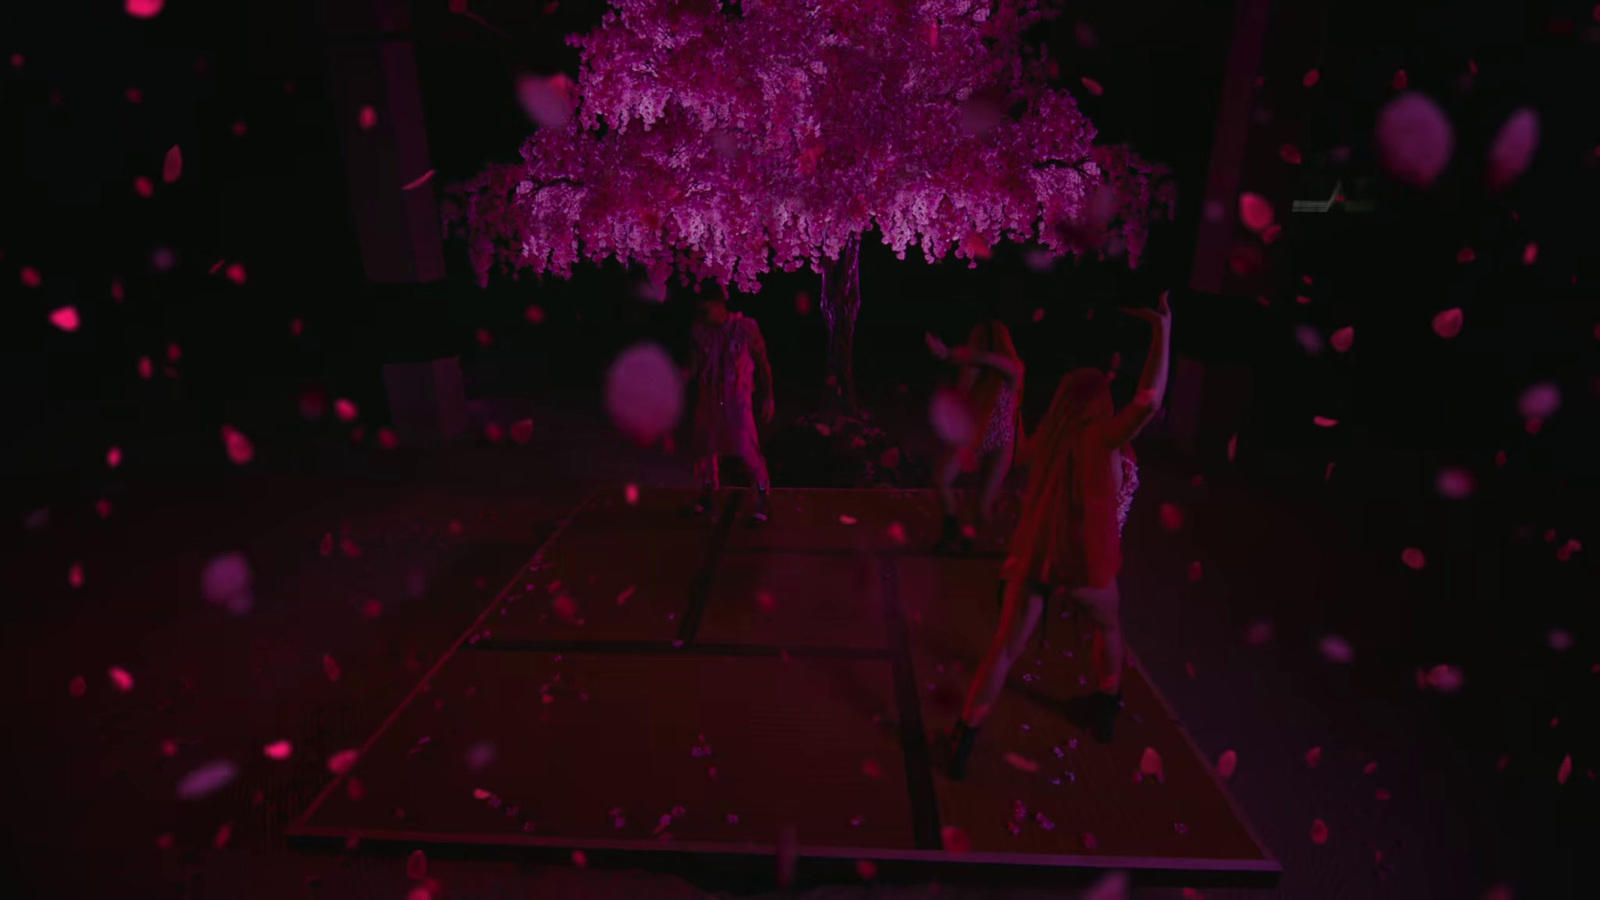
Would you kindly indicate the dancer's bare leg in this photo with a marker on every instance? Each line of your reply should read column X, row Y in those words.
column 1023, row 607
column 996, row 466
column 1101, row 606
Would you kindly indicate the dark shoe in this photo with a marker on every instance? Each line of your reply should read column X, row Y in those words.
column 950, row 538
column 705, row 504
column 762, row 510
column 1103, row 715
column 961, row 741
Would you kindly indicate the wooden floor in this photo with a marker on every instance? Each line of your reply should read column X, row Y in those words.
column 651, row 684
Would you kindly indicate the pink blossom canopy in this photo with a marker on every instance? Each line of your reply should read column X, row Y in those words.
column 726, row 140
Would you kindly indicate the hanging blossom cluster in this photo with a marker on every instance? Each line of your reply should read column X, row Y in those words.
column 723, row 140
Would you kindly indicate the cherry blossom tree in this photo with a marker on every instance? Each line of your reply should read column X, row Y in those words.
column 722, row 141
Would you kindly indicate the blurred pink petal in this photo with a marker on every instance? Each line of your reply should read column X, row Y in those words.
column 951, row 418
column 1336, row 649
column 1413, row 558
column 1513, row 148
column 1150, row 763
column 1565, row 771
column 1447, row 324
column 549, row 102
column 120, row 679
column 1227, row 763
column 644, row 393
column 345, row 410
column 367, row 118
column 343, row 761
column 172, row 166
column 955, row 840
column 1342, row 339
column 1255, row 211
column 207, row 780
column 417, row 182
column 1539, row 401
column 1415, row 140
column 1323, row 421
column 1445, row 679
column 416, row 866
column 522, row 432
column 1319, row 832
column 1021, row 763
column 279, row 750
column 66, row 319
column 1455, row 484
column 238, row 446
column 1111, row 886
column 144, row 9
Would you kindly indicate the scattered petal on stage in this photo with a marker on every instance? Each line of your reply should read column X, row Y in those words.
column 1021, row 763
column 1150, row 764
column 207, row 780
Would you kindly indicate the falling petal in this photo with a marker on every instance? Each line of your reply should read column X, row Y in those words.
column 1539, row 401
column 1150, row 763
column 644, row 393
column 225, row 578
column 207, row 780
column 343, row 761
column 330, row 667
column 1445, row 679
column 172, row 166
column 416, row 866
column 1324, row 421
column 1565, row 771
column 367, row 118
column 1227, row 763
column 1413, row 558
column 419, row 181
column 120, row 679
column 1455, row 484
column 549, row 102
column 1171, row 517
column 1311, row 78
column 1342, row 339
column 279, row 750
column 239, row 448
column 1513, row 148
column 1255, row 211
column 1447, row 324
column 1336, row 649
column 144, row 9
column 1319, row 832
column 66, row 319
column 951, row 418
column 1415, row 140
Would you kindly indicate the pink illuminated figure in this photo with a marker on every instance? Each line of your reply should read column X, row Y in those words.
column 729, row 367
column 773, row 136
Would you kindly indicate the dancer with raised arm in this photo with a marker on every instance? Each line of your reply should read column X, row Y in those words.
column 729, row 366
column 1069, row 540
column 991, row 382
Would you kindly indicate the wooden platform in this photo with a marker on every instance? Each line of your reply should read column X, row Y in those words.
column 651, row 684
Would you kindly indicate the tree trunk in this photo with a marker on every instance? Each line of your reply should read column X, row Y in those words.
column 841, row 300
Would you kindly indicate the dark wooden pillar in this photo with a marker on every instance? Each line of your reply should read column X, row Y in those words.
column 371, row 64
column 1220, row 207
column 376, row 100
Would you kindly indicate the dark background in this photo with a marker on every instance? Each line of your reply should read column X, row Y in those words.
column 1408, row 403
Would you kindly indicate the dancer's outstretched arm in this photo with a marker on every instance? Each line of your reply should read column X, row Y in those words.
column 1132, row 419
column 1009, row 369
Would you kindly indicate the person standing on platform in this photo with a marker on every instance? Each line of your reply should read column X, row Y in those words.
column 1069, row 539
column 991, row 383
column 728, row 364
